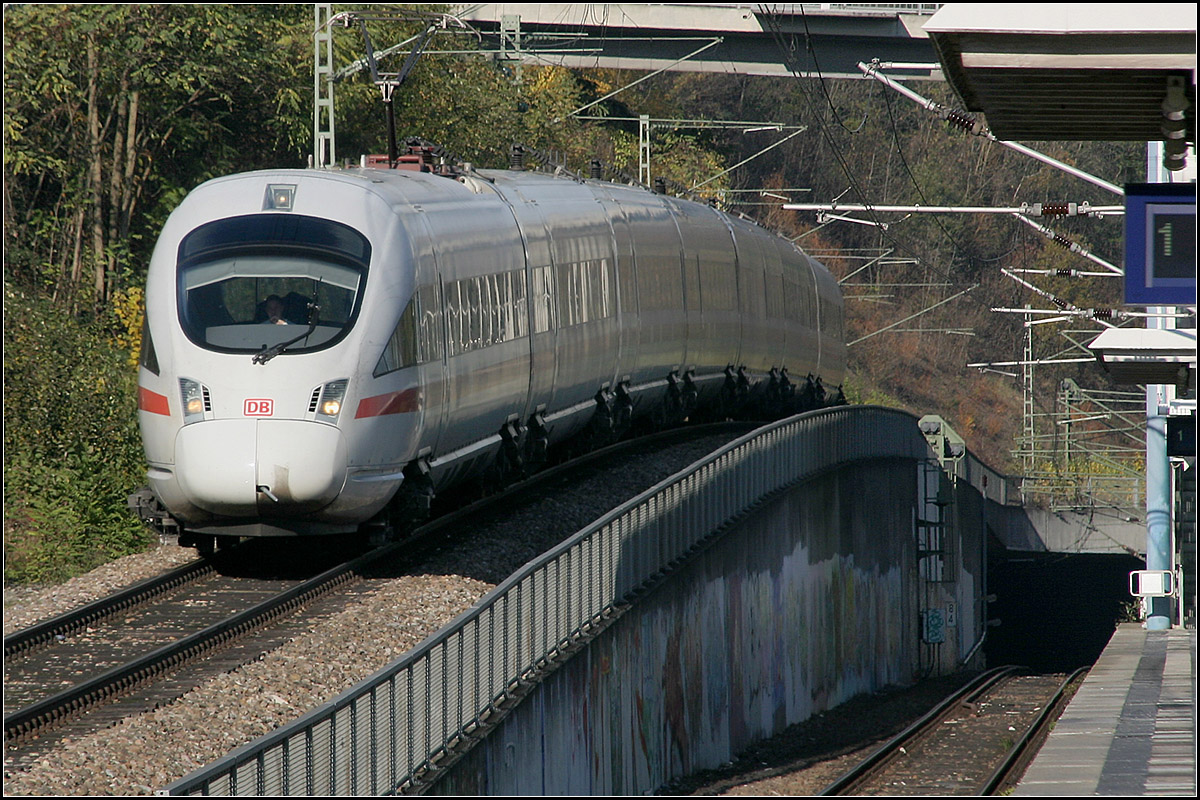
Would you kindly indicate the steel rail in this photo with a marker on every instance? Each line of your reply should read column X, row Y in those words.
column 1015, row 757
column 75, row 700
column 853, row 777
column 121, row 679
column 29, row 639
column 421, row 717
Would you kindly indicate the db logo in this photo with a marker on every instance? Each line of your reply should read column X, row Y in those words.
column 259, row 407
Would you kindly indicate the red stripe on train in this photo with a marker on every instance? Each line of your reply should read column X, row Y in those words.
column 153, row 402
column 392, row 403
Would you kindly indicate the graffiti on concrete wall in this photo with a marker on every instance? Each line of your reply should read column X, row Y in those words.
column 805, row 607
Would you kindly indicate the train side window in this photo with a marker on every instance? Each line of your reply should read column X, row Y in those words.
column 430, row 333
column 519, row 304
column 718, row 286
column 148, row 358
column 775, row 302
column 584, row 292
column 502, row 303
column 792, row 298
column 590, row 291
column 660, row 282
column 543, row 299
column 568, row 295
column 492, row 329
column 750, row 290
column 832, row 319
column 401, row 349
column 482, row 309
column 474, row 322
column 491, row 287
column 454, row 319
column 604, row 307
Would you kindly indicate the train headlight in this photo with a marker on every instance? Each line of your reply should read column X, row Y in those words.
column 195, row 400
column 280, row 197
column 330, row 405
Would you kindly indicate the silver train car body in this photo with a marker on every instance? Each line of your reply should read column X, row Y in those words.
column 437, row 326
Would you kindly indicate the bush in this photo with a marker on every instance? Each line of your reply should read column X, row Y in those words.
column 72, row 451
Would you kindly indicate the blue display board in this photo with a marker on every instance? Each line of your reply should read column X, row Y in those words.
column 1160, row 244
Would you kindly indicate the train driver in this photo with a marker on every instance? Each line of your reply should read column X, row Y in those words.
column 274, row 308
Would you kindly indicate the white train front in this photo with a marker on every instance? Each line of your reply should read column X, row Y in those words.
column 317, row 339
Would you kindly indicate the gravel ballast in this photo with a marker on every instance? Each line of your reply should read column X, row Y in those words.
column 376, row 625
column 379, row 621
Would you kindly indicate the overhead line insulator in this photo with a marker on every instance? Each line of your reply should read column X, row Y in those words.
column 1059, row 209
column 963, row 121
column 1063, row 241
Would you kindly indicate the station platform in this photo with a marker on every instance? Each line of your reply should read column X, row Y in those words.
column 1131, row 727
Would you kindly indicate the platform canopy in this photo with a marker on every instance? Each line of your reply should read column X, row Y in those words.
column 1071, row 71
column 1147, row 355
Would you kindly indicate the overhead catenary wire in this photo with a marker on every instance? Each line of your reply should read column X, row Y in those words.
column 769, row 16
column 1063, row 241
column 1025, row 208
column 1065, row 311
column 971, row 125
column 1063, row 305
column 713, row 43
column 744, row 161
column 914, row 316
column 857, row 189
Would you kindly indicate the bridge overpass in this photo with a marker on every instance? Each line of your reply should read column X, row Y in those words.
column 816, row 39
column 819, row 557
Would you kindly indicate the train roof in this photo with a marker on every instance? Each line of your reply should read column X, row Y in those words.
column 411, row 186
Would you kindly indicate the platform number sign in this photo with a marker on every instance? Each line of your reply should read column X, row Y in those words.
column 1160, row 244
column 935, row 626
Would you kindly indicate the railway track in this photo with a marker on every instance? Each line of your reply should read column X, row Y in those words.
column 976, row 742
column 124, row 654
column 145, row 646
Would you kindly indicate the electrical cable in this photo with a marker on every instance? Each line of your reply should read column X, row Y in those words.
column 821, row 78
column 777, row 36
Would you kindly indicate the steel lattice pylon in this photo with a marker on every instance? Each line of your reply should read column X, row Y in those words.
column 323, row 127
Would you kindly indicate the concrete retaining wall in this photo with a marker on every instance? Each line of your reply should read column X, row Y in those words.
column 1039, row 530
column 811, row 600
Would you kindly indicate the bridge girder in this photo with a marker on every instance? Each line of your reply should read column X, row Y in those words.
column 754, row 42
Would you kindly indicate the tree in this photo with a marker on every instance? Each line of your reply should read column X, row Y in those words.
column 112, row 111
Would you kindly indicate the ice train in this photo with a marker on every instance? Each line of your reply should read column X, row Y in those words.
column 325, row 347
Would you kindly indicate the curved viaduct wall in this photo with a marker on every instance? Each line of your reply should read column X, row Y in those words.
column 811, row 599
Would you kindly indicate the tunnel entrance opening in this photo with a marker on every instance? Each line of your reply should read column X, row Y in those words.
column 1057, row 611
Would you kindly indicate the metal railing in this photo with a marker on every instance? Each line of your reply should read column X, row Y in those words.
column 400, row 728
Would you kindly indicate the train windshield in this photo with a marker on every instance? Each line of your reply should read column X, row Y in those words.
column 250, row 283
